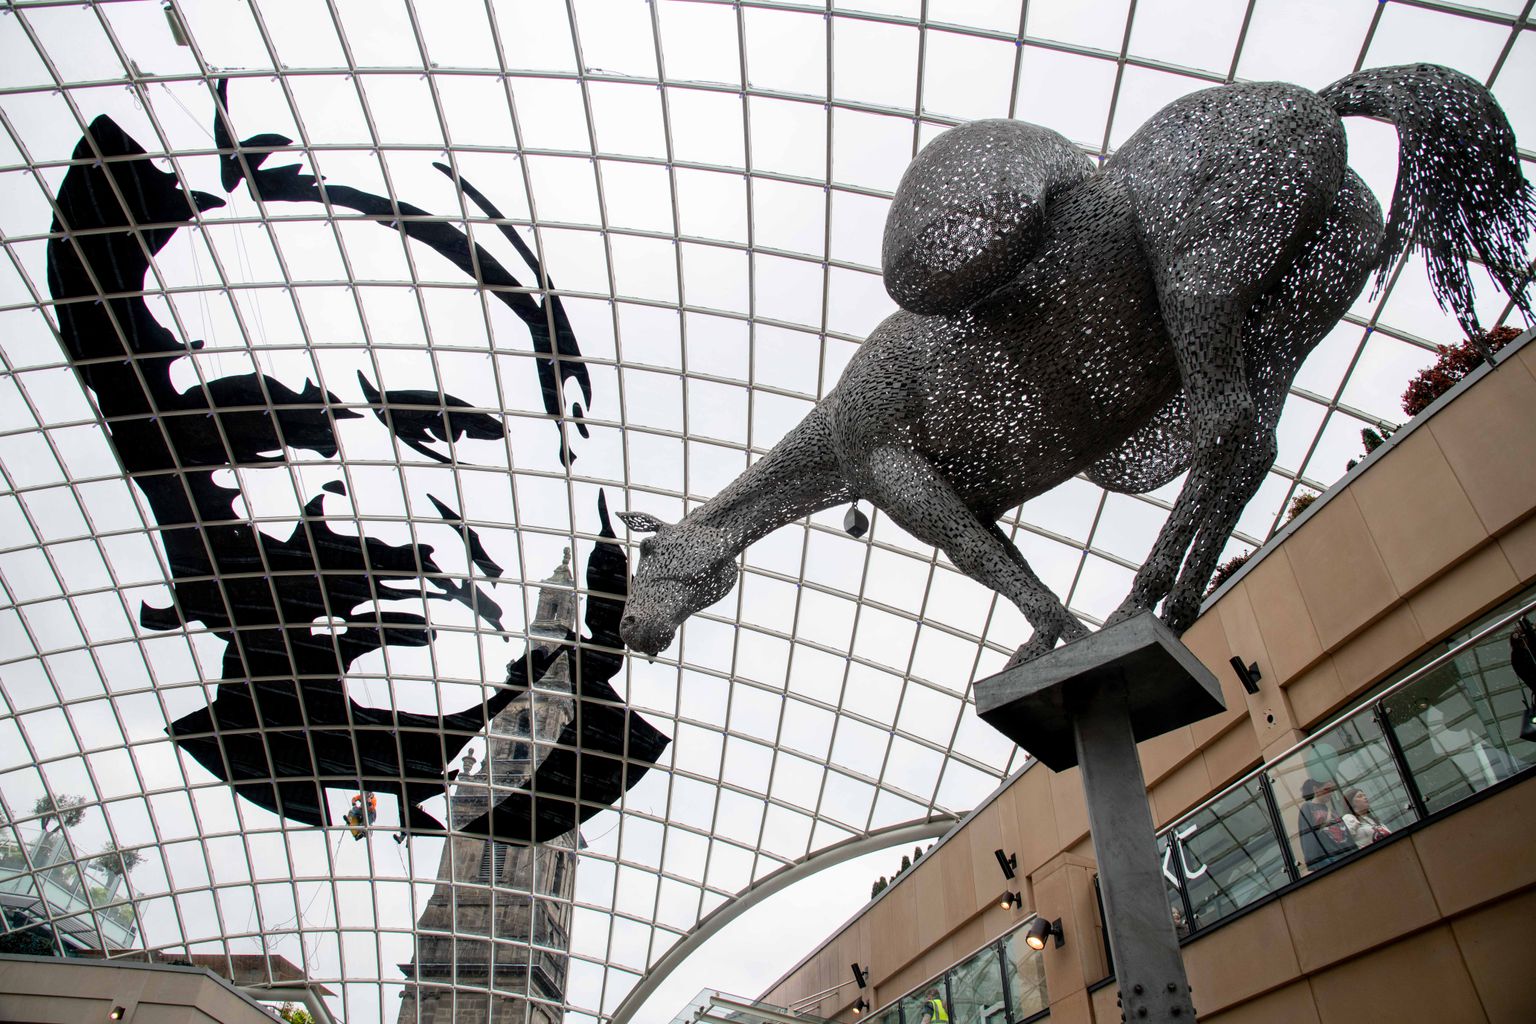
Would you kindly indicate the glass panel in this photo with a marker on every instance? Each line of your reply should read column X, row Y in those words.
column 891, row 1016
column 1171, row 885
column 1230, row 854
column 1459, row 726
column 1341, row 792
column 976, row 990
column 1025, row 969
column 914, row 1007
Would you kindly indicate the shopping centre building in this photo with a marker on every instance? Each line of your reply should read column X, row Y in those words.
column 352, row 353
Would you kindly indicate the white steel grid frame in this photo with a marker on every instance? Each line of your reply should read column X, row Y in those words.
column 188, row 840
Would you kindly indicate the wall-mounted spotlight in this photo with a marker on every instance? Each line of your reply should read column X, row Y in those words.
column 1248, row 674
column 1039, row 929
column 1010, row 900
column 117, row 1011
column 860, row 976
column 860, row 1006
column 1008, row 862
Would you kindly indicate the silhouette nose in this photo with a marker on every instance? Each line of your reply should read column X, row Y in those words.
column 627, row 622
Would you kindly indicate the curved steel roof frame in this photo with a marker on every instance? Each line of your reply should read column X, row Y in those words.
column 691, row 194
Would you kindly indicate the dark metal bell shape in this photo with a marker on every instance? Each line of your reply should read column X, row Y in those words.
column 855, row 523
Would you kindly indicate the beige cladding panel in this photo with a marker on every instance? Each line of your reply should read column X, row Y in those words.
column 1180, row 790
column 1314, row 693
column 1487, row 442
column 1075, row 1008
column 1480, row 580
column 1519, row 546
column 931, row 923
column 1385, row 645
column 1290, row 637
column 1292, row 1004
column 1421, row 978
column 1251, row 956
column 1232, row 753
column 986, row 835
column 956, row 875
column 1484, row 853
column 1240, row 623
column 1420, row 519
column 1495, row 944
column 1037, row 839
column 1162, row 754
column 1069, row 805
column 896, row 943
column 1349, row 911
column 1342, row 577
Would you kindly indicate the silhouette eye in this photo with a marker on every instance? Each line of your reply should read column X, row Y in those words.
column 647, row 547
column 419, row 418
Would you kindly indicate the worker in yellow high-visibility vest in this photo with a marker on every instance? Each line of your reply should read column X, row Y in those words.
column 933, row 1011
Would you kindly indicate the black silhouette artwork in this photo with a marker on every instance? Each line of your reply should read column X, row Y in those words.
column 586, row 771
column 282, row 727
column 550, row 329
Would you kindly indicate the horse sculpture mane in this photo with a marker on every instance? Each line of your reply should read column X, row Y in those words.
column 1129, row 323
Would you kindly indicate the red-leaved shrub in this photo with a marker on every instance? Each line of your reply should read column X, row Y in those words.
column 1453, row 363
column 1225, row 570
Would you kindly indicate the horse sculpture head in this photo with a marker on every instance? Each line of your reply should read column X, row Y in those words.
column 683, row 567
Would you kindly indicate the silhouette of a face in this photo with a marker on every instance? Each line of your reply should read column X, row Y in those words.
column 198, row 450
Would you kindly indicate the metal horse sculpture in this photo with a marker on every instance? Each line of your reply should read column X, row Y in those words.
column 1128, row 323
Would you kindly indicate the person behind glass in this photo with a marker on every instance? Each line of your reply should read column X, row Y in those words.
column 1363, row 827
column 1324, row 838
column 933, row 1011
column 1180, row 926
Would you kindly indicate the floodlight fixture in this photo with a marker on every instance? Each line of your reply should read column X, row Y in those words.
column 1008, row 862
column 1010, row 900
column 1249, row 674
column 860, row 976
column 116, row 1013
column 1039, row 930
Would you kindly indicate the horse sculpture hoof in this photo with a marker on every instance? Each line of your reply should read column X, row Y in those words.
column 1036, row 646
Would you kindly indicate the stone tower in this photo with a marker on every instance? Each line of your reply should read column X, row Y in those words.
column 492, row 943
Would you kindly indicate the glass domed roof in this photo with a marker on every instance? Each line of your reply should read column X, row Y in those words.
column 394, row 303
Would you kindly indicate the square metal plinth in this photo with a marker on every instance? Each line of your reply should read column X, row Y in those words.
column 1166, row 685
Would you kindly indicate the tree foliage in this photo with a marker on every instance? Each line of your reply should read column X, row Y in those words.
column 64, row 812
column 118, row 862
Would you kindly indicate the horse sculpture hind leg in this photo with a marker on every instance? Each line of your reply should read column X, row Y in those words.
column 1226, row 184
column 1234, row 191
column 1283, row 327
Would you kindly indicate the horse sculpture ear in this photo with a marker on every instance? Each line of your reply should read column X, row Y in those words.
column 640, row 522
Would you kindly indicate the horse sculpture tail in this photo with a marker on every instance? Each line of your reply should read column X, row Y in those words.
column 1460, row 192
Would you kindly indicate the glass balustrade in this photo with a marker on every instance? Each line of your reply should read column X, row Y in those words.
column 1001, row 983
column 1438, row 732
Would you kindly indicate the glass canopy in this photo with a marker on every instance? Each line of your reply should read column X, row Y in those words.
column 308, row 472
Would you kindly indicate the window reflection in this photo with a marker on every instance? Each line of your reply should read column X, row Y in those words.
column 976, row 990
column 1004, row 976
column 1318, row 786
column 1459, row 726
column 1025, row 969
column 1228, row 854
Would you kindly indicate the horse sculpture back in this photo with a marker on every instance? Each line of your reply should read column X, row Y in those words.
column 1130, row 323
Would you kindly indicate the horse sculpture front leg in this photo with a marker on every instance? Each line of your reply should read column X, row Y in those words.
column 906, row 487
